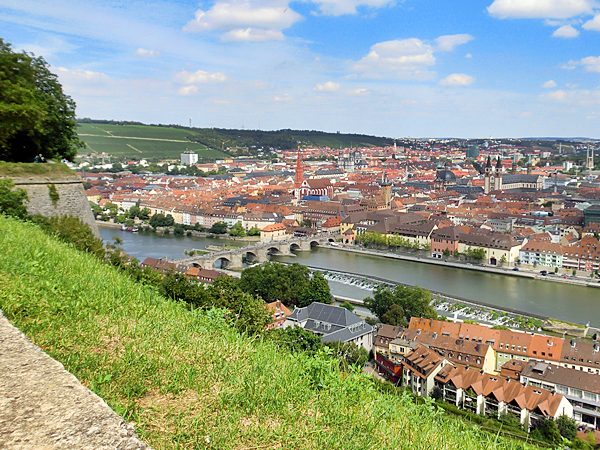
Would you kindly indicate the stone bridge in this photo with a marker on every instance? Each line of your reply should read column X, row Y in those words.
column 257, row 253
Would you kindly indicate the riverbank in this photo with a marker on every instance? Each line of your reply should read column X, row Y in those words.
column 162, row 231
column 468, row 266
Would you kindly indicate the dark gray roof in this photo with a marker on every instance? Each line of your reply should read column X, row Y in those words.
column 519, row 178
column 325, row 313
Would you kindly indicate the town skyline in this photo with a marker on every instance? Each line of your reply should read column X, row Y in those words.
column 419, row 69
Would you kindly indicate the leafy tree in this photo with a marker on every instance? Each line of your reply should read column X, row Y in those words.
column 36, row 117
column 72, row 230
column 317, row 291
column 144, row 214
column 254, row 231
column 248, row 312
column 413, row 301
column 349, row 353
column 177, row 287
column 289, row 283
column 160, row 220
column 296, row 339
column 567, row 427
column 394, row 315
column 12, row 201
column 547, row 430
column 237, row 230
column 349, row 306
column 218, row 228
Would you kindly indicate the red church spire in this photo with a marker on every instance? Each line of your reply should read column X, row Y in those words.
column 299, row 170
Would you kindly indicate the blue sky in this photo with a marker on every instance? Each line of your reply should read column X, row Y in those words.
column 415, row 68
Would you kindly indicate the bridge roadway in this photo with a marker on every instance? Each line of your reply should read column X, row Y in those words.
column 256, row 253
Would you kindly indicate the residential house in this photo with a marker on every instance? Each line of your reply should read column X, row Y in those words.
column 333, row 324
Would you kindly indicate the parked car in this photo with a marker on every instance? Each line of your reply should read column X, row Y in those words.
column 543, row 273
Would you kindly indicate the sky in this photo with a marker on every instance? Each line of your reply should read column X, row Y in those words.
column 397, row 68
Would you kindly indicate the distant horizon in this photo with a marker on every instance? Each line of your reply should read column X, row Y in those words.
column 551, row 138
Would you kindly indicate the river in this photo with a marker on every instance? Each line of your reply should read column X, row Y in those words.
column 563, row 301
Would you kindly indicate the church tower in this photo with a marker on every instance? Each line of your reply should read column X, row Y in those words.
column 488, row 176
column 498, row 175
column 299, row 178
column 386, row 190
column 589, row 160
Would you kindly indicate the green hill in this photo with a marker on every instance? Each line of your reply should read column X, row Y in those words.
column 186, row 379
column 134, row 140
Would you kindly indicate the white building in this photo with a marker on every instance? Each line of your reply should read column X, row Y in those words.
column 189, row 158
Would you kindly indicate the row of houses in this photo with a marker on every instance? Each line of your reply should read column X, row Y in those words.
column 581, row 255
column 492, row 371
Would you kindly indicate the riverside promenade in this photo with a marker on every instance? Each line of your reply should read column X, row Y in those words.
column 523, row 273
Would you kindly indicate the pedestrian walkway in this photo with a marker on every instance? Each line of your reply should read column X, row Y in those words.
column 42, row 406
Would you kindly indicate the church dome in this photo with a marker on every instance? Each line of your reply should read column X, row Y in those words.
column 445, row 175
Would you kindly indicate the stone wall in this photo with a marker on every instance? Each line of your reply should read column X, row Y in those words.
column 57, row 197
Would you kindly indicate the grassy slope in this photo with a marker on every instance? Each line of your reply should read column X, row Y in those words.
column 206, row 140
column 185, row 378
column 97, row 138
column 48, row 170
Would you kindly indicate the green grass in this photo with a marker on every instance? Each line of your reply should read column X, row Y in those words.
column 189, row 380
column 48, row 170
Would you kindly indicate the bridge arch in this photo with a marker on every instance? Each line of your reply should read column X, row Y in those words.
column 273, row 250
column 294, row 247
column 222, row 263
column 250, row 257
column 314, row 244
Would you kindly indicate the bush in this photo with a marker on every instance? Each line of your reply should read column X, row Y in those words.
column 567, row 427
column 12, row 201
column 72, row 230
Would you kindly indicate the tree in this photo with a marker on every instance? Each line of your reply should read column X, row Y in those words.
column 547, row 430
column 248, row 312
column 296, row 339
column 237, row 230
column 394, row 315
column 36, row 117
column 254, row 231
column 413, row 301
column 349, row 353
column 160, row 220
column 274, row 281
column 12, row 201
column 349, row 306
column 317, row 291
column 218, row 228
column 567, row 427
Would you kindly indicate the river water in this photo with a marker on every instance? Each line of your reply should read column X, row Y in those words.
column 563, row 301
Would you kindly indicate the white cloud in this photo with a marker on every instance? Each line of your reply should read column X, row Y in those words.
column 593, row 24
column 200, row 76
column 449, row 42
column 558, row 95
column 341, row 7
column 359, row 92
column 245, row 20
column 550, row 84
column 282, row 98
column 328, row 86
column 591, row 63
column 146, row 53
column 457, row 79
column 566, row 32
column 539, row 9
column 188, row 90
column 80, row 75
column 252, row 35
column 469, row 56
column 405, row 59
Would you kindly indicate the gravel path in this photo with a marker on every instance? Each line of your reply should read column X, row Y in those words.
column 42, row 406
